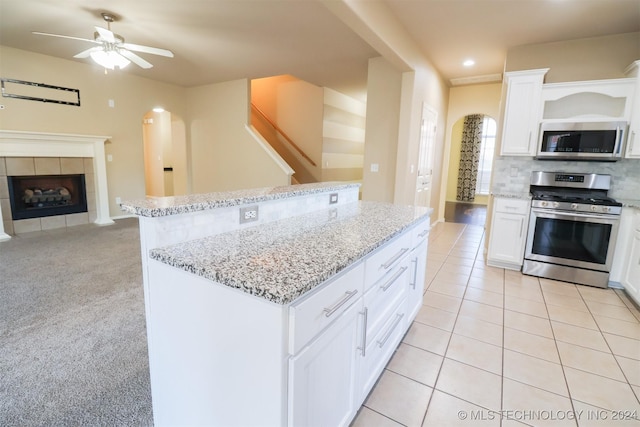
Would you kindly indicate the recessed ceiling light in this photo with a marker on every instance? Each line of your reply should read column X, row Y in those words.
column 469, row 63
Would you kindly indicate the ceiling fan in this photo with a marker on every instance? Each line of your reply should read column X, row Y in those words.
column 112, row 51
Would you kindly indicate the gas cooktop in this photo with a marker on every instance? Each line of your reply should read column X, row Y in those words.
column 578, row 192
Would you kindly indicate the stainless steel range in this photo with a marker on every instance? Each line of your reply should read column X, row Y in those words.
column 573, row 227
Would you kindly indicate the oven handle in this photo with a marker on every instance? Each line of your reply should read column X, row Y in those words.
column 576, row 214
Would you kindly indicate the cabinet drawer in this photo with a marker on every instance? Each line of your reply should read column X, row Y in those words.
column 419, row 232
column 381, row 299
column 512, row 206
column 314, row 313
column 386, row 259
column 381, row 346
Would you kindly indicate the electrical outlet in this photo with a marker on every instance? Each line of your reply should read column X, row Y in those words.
column 333, row 213
column 333, row 198
column 248, row 214
column 118, row 200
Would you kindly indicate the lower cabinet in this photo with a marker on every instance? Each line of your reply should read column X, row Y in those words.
column 508, row 237
column 631, row 269
column 343, row 335
column 415, row 289
column 322, row 378
column 308, row 363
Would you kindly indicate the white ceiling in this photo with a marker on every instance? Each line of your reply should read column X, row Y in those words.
column 221, row 40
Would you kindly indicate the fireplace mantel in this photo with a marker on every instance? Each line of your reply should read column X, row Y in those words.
column 39, row 144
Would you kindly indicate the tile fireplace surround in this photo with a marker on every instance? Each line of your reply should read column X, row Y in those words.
column 29, row 153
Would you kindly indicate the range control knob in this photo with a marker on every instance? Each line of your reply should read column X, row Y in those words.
column 594, row 208
column 606, row 209
column 543, row 204
column 556, row 204
column 574, row 206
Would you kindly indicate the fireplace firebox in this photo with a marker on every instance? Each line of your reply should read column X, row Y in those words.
column 46, row 195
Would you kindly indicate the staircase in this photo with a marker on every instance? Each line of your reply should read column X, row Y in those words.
column 319, row 132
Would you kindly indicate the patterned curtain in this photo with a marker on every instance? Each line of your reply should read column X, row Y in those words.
column 469, row 157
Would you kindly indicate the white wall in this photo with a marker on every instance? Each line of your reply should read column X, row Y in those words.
column 424, row 86
column 575, row 60
column 420, row 83
column 224, row 155
column 133, row 97
column 299, row 113
column 381, row 135
column 464, row 100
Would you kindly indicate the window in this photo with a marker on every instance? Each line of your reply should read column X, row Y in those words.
column 486, row 155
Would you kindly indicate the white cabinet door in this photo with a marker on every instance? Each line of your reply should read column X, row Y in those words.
column 322, row 377
column 380, row 346
column 522, row 112
column 508, row 233
column 507, row 238
column 633, row 138
column 631, row 277
column 418, row 265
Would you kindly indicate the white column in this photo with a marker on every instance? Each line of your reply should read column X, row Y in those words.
column 3, row 236
column 102, row 192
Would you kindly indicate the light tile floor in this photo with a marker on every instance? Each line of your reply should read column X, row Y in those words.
column 493, row 347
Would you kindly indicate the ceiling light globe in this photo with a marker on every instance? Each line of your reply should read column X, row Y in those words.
column 109, row 59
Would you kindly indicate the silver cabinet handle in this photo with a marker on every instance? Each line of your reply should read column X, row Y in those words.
column 396, row 322
column 363, row 347
column 393, row 279
column 395, row 258
column 619, row 136
column 415, row 273
column 424, row 233
column 347, row 296
column 521, row 226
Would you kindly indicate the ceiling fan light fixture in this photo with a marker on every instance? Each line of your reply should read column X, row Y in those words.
column 109, row 59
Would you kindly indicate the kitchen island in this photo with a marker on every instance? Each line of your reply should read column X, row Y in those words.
column 285, row 320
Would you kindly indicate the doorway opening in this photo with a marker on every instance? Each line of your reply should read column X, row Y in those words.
column 470, row 164
column 165, row 154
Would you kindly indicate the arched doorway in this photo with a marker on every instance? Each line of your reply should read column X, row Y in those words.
column 470, row 163
column 165, row 154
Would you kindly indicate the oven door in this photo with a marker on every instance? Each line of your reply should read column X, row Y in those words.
column 573, row 239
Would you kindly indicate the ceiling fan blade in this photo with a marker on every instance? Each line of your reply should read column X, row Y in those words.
column 148, row 49
column 107, row 35
column 87, row 53
column 135, row 58
column 38, row 33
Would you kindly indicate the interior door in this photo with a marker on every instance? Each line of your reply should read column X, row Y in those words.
column 425, row 156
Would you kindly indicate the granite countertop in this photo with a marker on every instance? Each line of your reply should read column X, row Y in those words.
column 164, row 206
column 282, row 260
column 630, row 203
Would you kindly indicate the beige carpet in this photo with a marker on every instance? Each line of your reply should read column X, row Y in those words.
column 73, row 345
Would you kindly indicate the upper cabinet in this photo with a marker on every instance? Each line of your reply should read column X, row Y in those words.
column 521, row 112
column 633, row 139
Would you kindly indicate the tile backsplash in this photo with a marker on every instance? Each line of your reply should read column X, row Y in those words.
column 512, row 174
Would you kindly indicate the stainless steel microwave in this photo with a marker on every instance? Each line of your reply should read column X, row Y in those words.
column 601, row 141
